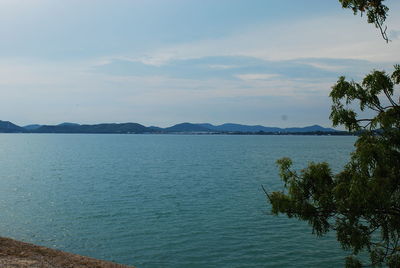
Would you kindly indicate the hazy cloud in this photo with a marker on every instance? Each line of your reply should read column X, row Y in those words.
column 257, row 76
column 159, row 63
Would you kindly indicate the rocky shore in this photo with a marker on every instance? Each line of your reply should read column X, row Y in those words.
column 15, row 254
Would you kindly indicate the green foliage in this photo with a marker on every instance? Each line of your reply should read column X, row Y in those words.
column 367, row 94
column 375, row 9
column 362, row 202
column 352, row 262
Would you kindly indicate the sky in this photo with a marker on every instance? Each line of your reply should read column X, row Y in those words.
column 163, row 62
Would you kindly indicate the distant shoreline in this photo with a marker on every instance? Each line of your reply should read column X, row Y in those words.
column 183, row 128
column 338, row 133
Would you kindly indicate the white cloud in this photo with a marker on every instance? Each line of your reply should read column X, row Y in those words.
column 257, row 76
column 343, row 36
column 222, row 66
column 328, row 67
column 51, row 92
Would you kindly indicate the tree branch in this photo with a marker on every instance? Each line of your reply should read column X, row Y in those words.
column 266, row 193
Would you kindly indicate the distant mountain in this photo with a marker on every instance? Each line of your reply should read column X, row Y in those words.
column 230, row 127
column 156, row 129
column 187, row 127
column 8, row 127
column 313, row 128
column 99, row 128
column 32, row 127
column 65, row 124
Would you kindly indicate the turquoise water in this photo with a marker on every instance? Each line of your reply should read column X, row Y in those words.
column 162, row 200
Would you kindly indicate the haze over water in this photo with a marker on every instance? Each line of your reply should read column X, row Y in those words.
column 162, row 200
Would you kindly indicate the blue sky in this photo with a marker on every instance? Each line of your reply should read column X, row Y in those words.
column 161, row 62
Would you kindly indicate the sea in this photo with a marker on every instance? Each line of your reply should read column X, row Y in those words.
column 181, row 201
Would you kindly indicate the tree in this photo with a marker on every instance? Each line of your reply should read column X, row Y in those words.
column 375, row 9
column 362, row 202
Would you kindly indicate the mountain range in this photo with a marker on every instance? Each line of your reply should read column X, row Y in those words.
column 126, row 128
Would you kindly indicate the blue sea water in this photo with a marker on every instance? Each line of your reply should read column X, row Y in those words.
column 162, row 200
